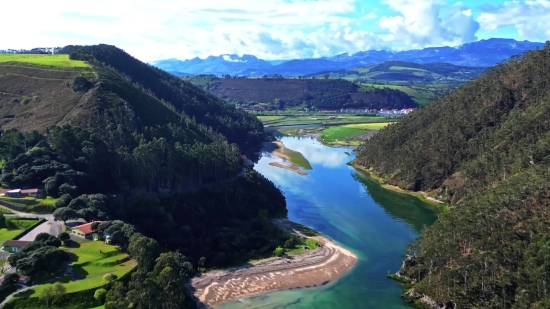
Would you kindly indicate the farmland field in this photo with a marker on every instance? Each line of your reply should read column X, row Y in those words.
column 344, row 135
column 268, row 118
column 321, row 119
column 44, row 59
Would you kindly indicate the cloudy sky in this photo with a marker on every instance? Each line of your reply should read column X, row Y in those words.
column 269, row 29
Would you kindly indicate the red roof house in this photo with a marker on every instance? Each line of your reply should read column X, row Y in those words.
column 84, row 230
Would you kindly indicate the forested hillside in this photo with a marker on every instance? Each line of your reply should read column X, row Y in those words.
column 484, row 149
column 282, row 93
column 139, row 145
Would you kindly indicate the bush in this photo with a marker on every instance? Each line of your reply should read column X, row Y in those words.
column 279, row 251
column 100, row 294
column 81, row 84
column 108, row 278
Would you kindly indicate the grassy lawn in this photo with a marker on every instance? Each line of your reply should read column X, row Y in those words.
column 90, row 265
column 15, row 227
column 6, row 234
column 22, row 224
column 44, row 59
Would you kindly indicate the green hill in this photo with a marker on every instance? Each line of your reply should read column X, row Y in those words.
column 120, row 141
column 286, row 93
column 484, row 149
column 422, row 82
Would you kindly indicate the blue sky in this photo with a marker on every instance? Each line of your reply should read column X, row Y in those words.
column 268, row 29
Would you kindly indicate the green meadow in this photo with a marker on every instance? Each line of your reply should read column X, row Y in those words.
column 44, row 59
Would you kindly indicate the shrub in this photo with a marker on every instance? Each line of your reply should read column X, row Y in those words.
column 100, row 294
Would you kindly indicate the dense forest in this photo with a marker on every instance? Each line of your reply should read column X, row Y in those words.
column 281, row 93
column 160, row 158
column 484, row 149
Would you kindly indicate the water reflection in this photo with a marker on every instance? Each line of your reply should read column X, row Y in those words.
column 355, row 211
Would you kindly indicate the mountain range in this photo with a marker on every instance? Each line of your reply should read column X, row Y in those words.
column 482, row 53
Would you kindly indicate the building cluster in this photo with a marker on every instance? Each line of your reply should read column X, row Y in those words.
column 22, row 192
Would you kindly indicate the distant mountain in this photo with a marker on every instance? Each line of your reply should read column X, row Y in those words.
column 484, row 53
column 220, row 65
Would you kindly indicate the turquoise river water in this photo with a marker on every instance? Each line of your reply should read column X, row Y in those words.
column 352, row 209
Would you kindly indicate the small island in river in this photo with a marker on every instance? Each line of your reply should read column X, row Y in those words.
column 313, row 268
column 296, row 159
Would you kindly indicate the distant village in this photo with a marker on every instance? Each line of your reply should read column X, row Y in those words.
column 380, row 112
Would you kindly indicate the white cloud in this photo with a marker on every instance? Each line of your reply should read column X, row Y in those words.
column 420, row 23
column 270, row 29
column 529, row 18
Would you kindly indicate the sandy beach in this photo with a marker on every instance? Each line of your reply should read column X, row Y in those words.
column 314, row 268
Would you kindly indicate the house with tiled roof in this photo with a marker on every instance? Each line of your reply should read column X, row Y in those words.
column 85, row 231
column 14, row 245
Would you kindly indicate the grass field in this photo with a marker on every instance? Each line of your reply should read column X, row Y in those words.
column 6, row 234
column 270, row 118
column 44, row 59
column 15, row 227
column 90, row 265
column 368, row 126
column 339, row 133
column 420, row 96
column 343, row 135
column 22, row 224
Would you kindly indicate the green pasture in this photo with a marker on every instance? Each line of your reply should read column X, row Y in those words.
column 44, row 59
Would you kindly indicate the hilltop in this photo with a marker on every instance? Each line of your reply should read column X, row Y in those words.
column 56, row 90
column 484, row 150
column 284, row 93
column 484, row 53
column 406, row 72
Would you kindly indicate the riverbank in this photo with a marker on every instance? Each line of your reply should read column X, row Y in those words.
column 315, row 268
column 421, row 195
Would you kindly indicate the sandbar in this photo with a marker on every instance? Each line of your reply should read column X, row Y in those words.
column 315, row 268
column 292, row 167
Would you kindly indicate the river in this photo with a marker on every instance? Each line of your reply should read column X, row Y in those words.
column 352, row 209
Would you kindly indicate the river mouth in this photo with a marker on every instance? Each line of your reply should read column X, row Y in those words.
column 353, row 210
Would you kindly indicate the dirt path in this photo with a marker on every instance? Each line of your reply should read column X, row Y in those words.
column 315, row 268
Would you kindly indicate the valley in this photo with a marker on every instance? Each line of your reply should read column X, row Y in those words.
column 314, row 189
